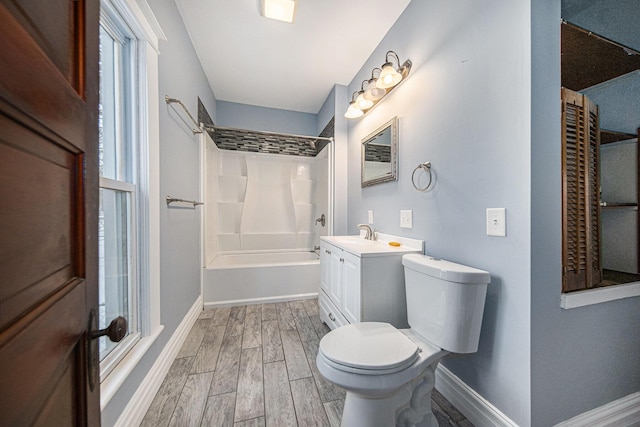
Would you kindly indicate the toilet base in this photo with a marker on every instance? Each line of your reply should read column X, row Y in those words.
column 408, row 406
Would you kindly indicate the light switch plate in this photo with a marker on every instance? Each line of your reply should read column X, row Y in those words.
column 370, row 213
column 406, row 219
column 497, row 222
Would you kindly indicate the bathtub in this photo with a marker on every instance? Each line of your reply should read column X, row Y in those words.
column 250, row 278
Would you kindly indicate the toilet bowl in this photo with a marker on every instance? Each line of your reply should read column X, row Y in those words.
column 389, row 373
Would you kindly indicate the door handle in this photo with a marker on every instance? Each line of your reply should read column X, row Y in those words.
column 116, row 331
column 332, row 317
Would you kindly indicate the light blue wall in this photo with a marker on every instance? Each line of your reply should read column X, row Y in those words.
column 327, row 111
column 586, row 357
column 341, row 173
column 242, row 116
column 334, row 107
column 466, row 108
column 614, row 19
column 618, row 104
column 180, row 76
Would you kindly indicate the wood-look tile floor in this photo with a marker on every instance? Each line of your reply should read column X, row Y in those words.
column 254, row 366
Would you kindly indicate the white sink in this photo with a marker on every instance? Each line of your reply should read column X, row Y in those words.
column 354, row 240
column 360, row 246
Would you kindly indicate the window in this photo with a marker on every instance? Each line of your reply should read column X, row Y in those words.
column 118, row 221
column 129, row 220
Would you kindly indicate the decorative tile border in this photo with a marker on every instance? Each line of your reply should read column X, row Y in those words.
column 264, row 142
column 203, row 115
column 327, row 132
column 260, row 142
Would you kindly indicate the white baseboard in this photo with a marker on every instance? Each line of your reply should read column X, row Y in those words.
column 141, row 400
column 474, row 407
column 265, row 300
column 624, row 412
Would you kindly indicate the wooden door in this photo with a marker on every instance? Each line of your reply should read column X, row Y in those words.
column 48, row 210
column 581, row 260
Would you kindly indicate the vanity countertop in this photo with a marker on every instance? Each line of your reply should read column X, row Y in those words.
column 362, row 247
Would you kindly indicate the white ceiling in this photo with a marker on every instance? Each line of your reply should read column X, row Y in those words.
column 252, row 60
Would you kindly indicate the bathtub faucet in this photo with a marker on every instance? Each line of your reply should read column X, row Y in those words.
column 320, row 220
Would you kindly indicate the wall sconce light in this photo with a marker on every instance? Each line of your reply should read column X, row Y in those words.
column 378, row 87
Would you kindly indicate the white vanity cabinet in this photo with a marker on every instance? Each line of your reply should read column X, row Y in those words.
column 362, row 281
column 337, row 269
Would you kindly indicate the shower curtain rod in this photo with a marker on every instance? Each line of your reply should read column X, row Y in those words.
column 199, row 127
column 214, row 128
column 170, row 100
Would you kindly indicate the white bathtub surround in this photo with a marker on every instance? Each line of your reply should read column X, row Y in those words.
column 260, row 226
column 262, row 202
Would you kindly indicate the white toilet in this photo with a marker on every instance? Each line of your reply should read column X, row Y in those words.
column 389, row 373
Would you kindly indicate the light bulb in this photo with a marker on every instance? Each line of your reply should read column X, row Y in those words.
column 363, row 103
column 374, row 93
column 389, row 77
column 353, row 112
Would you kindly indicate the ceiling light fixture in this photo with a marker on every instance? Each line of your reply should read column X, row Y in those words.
column 280, row 10
column 378, row 87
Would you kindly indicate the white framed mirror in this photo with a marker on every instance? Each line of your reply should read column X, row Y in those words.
column 380, row 155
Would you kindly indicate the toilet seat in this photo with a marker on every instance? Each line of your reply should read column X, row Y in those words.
column 370, row 348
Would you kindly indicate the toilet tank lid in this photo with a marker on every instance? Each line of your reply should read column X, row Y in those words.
column 445, row 270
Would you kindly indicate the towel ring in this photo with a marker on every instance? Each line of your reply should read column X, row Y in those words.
column 426, row 166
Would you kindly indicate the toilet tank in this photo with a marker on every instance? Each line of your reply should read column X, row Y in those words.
column 445, row 301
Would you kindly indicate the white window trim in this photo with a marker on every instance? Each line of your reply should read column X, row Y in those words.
column 599, row 295
column 138, row 15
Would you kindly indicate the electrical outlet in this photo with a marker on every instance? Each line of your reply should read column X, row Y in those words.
column 406, row 219
column 496, row 222
column 370, row 213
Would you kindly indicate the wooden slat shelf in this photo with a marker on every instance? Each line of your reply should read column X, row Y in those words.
column 610, row 136
column 630, row 206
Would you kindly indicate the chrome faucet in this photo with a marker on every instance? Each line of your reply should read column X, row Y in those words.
column 368, row 229
column 321, row 220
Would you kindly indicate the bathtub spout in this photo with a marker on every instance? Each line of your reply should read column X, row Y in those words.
column 321, row 220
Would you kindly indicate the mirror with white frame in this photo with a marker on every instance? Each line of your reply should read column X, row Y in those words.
column 380, row 155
